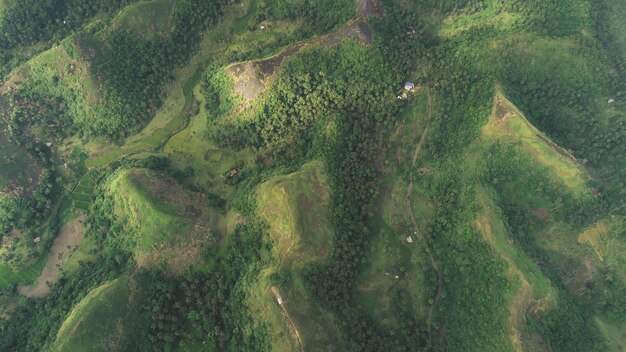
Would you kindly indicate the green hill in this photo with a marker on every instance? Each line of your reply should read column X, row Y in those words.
column 299, row 175
column 168, row 221
column 295, row 207
column 107, row 319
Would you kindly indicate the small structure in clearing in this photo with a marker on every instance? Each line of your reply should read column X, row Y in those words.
column 409, row 88
column 232, row 172
column 409, row 239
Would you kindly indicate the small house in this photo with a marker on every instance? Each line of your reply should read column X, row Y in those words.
column 37, row 240
column 409, row 239
column 409, row 86
column 280, row 301
column 232, row 172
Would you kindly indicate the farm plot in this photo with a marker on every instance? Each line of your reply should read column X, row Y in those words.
column 82, row 193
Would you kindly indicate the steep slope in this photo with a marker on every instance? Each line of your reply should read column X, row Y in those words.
column 169, row 222
column 296, row 208
column 107, row 319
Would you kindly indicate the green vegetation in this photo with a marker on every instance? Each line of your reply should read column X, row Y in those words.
column 296, row 208
column 254, row 176
column 94, row 323
column 10, row 277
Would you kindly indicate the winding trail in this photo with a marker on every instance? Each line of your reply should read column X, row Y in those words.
column 416, row 228
column 290, row 324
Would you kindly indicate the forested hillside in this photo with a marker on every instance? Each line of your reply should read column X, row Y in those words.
column 299, row 175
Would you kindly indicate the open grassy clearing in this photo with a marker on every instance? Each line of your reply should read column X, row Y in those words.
column 10, row 277
column 86, row 252
column 490, row 14
column 407, row 133
column 396, row 283
column 146, row 19
column 296, row 208
column 508, row 124
column 242, row 23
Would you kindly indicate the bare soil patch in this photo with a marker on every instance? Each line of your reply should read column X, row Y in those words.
column 502, row 111
column 69, row 237
column 358, row 30
column 252, row 78
column 169, row 192
column 541, row 213
column 185, row 249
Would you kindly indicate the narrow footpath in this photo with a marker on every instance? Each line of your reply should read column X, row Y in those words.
column 416, row 228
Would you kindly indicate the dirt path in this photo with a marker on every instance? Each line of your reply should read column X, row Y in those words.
column 291, row 326
column 70, row 235
column 416, row 228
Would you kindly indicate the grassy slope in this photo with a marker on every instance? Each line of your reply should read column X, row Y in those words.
column 168, row 220
column 146, row 18
column 535, row 292
column 508, row 125
column 172, row 225
column 156, row 220
column 564, row 58
column 103, row 321
column 296, row 208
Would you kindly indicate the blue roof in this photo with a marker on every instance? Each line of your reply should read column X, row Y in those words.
column 409, row 84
